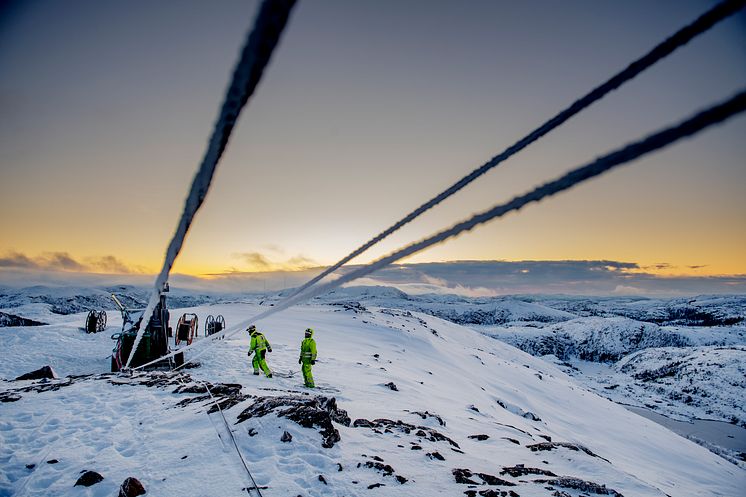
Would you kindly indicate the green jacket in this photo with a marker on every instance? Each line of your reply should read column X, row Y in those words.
column 308, row 350
column 258, row 343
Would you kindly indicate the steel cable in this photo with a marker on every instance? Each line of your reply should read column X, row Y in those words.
column 684, row 35
column 268, row 26
column 704, row 119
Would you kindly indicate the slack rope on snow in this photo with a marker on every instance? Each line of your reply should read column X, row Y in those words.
column 230, row 432
column 684, row 35
column 233, row 439
column 704, row 119
column 268, row 26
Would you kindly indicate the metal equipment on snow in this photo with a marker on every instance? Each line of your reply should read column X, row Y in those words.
column 214, row 324
column 155, row 338
column 95, row 321
column 186, row 329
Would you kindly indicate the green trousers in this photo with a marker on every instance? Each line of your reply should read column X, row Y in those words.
column 307, row 375
column 259, row 362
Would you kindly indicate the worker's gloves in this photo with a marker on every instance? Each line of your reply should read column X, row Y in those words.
column 313, row 362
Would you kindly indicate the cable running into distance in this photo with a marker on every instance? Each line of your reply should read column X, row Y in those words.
column 233, row 439
column 684, row 35
column 704, row 119
column 268, row 26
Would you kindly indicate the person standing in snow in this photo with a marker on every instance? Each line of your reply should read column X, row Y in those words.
column 259, row 347
column 307, row 357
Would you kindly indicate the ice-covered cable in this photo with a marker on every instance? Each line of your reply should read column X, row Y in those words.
column 678, row 39
column 713, row 115
column 268, row 25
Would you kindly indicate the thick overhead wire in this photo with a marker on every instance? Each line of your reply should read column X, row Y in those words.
column 268, row 26
column 704, row 119
column 684, row 35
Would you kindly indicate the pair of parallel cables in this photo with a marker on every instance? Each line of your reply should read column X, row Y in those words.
column 268, row 26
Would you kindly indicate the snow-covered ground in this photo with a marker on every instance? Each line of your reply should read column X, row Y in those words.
column 467, row 408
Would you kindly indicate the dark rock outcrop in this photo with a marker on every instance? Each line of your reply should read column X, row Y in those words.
column 481, row 438
column 582, row 485
column 309, row 412
column 521, row 470
column 225, row 395
column 131, row 487
column 553, row 445
column 88, row 478
column 426, row 414
column 39, row 374
column 9, row 320
column 464, row 476
column 388, row 426
column 10, row 397
column 379, row 465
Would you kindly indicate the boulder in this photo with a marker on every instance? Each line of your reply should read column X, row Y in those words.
column 88, row 478
column 41, row 373
column 131, row 487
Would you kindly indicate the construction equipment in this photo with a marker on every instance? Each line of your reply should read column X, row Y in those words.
column 214, row 324
column 186, row 330
column 95, row 321
column 154, row 343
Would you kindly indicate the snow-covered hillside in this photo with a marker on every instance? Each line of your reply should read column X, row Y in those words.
column 71, row 300
column 686, row 375
column 454, row 308
column 434, row 409
column 591, row 339
column 699, row 311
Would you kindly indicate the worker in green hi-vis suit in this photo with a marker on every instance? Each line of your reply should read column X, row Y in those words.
column 259, row 347
column 307, row 357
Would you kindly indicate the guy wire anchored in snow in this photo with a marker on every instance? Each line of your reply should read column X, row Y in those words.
column 702, row 120
column 268, row 26
column 721, row 11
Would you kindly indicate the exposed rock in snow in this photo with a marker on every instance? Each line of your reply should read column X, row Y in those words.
column 131, row 487
column 89, row 478
column 41, row 373
column 7, row 320
column 553, row 445
column 308, row 412
column 582, row 485
column 382, row 425
column 522, row 470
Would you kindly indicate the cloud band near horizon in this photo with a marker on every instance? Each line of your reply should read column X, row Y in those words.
column 466, row 278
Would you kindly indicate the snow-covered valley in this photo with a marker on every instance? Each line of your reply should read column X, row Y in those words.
column 434, row 407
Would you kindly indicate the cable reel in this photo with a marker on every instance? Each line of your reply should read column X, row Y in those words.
column 95, row 321
column 214, row 324
column 186, row 330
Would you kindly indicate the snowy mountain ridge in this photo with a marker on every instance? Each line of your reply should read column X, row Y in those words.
column 469, row 415
column 71, row 300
